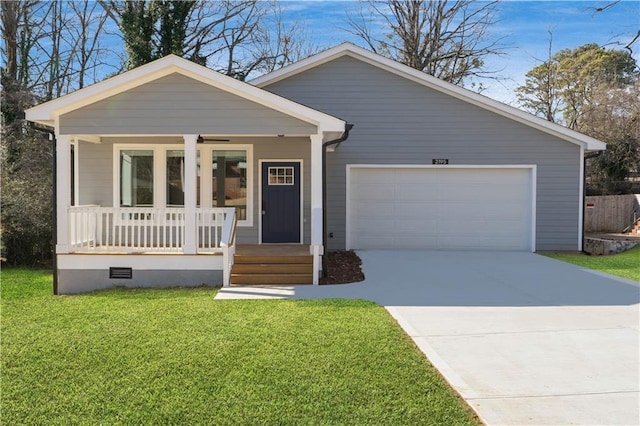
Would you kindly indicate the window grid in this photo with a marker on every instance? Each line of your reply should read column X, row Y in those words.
column 281, row 176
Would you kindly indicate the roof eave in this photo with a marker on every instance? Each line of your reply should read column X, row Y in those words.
column 48, row 112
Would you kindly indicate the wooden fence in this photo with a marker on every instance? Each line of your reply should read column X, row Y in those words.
column 610, row 213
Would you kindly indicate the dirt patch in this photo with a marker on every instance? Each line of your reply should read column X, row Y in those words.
column 343, row 266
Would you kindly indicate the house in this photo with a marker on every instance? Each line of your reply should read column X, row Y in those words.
column 162, row 170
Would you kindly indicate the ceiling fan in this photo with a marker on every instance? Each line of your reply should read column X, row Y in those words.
column 203, row 140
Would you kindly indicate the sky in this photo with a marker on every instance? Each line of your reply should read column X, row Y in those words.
column 522, row 25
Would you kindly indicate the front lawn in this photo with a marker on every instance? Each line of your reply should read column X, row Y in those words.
column 177, row 356
column 626, row 265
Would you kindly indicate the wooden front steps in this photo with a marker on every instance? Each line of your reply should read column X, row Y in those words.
column 272, row 264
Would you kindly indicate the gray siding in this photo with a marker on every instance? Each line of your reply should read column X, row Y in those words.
column 278, row 149
column 397, row 121
column 176, row 104
column 96, row 172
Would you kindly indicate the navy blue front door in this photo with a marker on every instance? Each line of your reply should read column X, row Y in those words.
column 280, row 202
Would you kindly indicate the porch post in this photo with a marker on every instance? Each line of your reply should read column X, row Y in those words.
column 63, row 190
column 316, row 205
column 190, row 182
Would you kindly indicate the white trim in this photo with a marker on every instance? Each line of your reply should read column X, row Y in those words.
column 178, row 136
column 190, row 196
column 47, row 112
column 206, row 177
column 532, row 167
column 317, row 204
column 94, row 139
column 168, row 261
column 76, row 171
column 316, row 175
column 157, row 183
column 279, row 160
column 348, row 49
column 534, row 206
column 63, row 191
column 581, row 201
column 206, row 186
column 286, row 170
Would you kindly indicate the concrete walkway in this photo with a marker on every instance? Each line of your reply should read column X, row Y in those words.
column 523, row 338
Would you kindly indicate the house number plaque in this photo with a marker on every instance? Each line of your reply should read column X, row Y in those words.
column 440, row 161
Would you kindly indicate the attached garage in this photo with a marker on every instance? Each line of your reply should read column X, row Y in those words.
column 453, row 207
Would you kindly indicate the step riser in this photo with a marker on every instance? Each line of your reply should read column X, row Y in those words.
column 272, row 268
column 273, row 259
column 273, row 279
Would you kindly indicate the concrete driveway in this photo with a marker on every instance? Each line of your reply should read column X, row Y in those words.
column 523, row 338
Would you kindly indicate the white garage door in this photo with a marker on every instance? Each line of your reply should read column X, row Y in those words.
column 450, row 207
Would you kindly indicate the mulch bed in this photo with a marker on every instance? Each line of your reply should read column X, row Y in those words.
column 343, row 266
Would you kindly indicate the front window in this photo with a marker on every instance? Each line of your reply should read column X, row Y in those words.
column 175, row 178
column 229, row 180
column 136, row 177
column 154, row 176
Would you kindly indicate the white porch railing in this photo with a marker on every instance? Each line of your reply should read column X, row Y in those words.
column 145, row 229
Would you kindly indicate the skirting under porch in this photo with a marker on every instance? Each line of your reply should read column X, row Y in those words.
column 81, row 273
column 270, row 264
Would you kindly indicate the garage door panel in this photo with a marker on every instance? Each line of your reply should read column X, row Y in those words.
column 380, row 191
column 415, row 190
column 417, row 227
column 440, row 208
column 427, row 213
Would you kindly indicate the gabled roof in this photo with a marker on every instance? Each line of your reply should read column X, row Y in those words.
column 48, row 112
column 348, row 49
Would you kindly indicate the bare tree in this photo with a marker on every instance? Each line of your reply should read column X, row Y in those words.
column 447, row 39
column 604, row 7
column 10, row 21
column 52, row 46
column 541, row 93
column 614, row 117
column 19, row 40
column 235, row 37
column 214, row 25
column 87, row 50
column 47, row 50
column 283, row 44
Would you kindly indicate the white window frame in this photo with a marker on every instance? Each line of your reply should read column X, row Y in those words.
column 160, row 173
column 206, row 176
column 284, row 176
column 117, row 148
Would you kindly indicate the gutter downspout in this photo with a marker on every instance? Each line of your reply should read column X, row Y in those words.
column 344, row 137
column 54, row 196
column 587, row 155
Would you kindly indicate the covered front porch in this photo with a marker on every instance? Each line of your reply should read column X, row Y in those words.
column 175, row 159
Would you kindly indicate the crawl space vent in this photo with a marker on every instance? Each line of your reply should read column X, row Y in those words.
column 119, row 272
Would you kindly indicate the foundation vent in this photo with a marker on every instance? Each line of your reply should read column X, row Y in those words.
column 120, row 272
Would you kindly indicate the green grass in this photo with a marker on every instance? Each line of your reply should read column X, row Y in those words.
column 176, row 356
column 626, row 264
